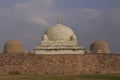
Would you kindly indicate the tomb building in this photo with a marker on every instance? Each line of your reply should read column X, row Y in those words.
column 59, row 39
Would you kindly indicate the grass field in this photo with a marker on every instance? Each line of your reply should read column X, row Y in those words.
column 60, row 77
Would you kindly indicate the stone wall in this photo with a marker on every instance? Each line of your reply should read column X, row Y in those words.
column 59, row 64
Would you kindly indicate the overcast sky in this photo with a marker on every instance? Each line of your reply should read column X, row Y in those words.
column 26, row 20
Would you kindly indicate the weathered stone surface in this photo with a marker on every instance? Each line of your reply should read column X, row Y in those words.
column 13, row 46
column 99, row 46
column 59, row 64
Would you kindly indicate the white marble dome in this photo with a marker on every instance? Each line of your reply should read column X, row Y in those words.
column 59, row 32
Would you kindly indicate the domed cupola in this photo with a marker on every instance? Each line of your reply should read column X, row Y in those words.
column 99, row 46
column 13, row 46
column 59, row 34
column 73, row 37
column 45, row 37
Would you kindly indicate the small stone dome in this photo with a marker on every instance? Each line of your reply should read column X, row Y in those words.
column 73, row 37
column 59, row 32
column 99, row 46
column 13, row 46
column 45, row 37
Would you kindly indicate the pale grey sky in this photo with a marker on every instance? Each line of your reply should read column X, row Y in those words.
column 26, row 20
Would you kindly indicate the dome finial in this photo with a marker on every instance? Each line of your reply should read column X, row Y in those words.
column 58, row 21
column 99, row 38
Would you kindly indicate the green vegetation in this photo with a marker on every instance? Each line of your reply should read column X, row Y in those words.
column 60, row 77
column 102, row 76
